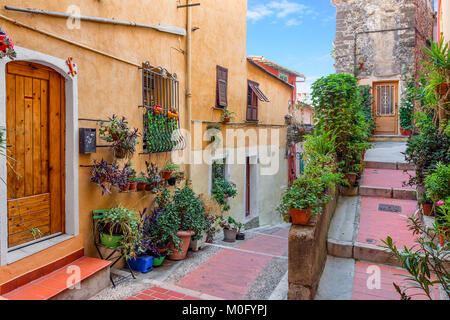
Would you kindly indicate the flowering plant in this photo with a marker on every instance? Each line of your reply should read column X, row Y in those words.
column 6, row 46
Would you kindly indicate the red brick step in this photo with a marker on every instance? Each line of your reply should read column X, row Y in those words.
column 55, row 285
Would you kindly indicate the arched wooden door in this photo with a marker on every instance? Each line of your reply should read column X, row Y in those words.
column 35, row 122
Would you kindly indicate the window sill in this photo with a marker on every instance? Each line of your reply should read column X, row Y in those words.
column 23, row 252
column 252, row 121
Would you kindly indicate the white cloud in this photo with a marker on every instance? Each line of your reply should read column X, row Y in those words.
column 286, row 7
column 305, row 87
column 259, row 12
column 292, row 12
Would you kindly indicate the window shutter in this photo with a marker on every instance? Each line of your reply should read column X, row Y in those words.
column 222, row 84
column 252, row 105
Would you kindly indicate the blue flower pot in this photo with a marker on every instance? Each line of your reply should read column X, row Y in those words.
column 142, row 264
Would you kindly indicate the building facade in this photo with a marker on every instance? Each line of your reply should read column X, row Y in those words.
column 381, row 43
column 71, row 74
column 443, row 25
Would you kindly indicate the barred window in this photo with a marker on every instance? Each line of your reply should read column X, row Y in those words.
column 161, row 91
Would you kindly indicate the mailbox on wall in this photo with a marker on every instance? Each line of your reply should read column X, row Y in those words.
column 88, row 140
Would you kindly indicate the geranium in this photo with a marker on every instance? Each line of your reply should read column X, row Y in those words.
column 440, row 203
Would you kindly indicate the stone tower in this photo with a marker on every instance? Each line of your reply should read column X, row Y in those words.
column 380, row 42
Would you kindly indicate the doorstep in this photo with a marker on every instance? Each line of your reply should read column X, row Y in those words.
column 93, row 277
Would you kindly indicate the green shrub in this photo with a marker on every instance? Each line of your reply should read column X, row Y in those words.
column 306, row 192
column 339, row 110
column 438, row 182
column 122, row 221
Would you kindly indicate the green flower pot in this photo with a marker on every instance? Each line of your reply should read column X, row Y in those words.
column 158, row 261
column 110, row 241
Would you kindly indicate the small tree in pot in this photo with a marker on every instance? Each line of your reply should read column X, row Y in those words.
column 190, row 210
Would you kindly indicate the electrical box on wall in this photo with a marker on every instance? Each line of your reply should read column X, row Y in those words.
column 88, row 140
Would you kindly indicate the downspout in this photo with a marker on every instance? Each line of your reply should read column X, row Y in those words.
column 188, row 86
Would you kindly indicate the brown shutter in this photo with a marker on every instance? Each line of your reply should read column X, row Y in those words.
column 222, row 84
column 252, row 105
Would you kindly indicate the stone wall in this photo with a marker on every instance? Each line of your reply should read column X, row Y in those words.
column 424, row 20
column 308, row 254
column 383, row 31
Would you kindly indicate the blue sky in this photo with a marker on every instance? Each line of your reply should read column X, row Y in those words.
column 297, row 34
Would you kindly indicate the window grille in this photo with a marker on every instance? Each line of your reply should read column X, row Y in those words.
column 161, row 96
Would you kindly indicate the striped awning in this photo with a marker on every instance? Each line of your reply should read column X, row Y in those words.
column 255, row 88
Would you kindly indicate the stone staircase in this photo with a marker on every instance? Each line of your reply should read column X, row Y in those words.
column 379, row 210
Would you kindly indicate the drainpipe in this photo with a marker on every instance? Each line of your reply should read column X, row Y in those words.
column 188, row 85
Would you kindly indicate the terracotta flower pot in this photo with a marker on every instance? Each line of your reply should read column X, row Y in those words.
column 124, row 188
column 166, row 175
column 132, row 186
column 226, row 120
column 148, row 187
column 120, row 153
column 300, row 216
column 185, row 237
column 351, row 178
column 427, row 209
column 141, row 186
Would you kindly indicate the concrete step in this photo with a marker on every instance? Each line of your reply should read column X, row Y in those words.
column 87, row 276
column 342, row 239
column 388, row 165
column 389, row 138
column 387, row 183
column 394, row 193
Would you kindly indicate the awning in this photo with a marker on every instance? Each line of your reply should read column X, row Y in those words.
column 255, row 88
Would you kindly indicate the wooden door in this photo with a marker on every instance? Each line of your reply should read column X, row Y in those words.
column 35, row 117
column 386, row 107
column 247, row 187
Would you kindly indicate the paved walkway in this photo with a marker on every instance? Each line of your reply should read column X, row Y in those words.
column 377, row 222
column 253, row 269
column 230, row 273
column 363, row 221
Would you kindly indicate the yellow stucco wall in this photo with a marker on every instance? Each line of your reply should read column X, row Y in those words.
column 106, row 86
column 445, row 19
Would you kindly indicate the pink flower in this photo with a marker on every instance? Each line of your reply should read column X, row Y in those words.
column 440, row 203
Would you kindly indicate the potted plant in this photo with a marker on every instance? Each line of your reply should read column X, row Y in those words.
column 141, row 182
column 154, row 180
column 104, row 175
column 227, row 116
column 132, row 179
column 120, row 227
column 222, row 190
column 240, row 235
column 437, row 183
column 426, row 204
column 303, row 200
column 191, row 214
column 123, row 178
column 230, row 229
column 161, row 226
column 169, row 169
column 122, row 138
